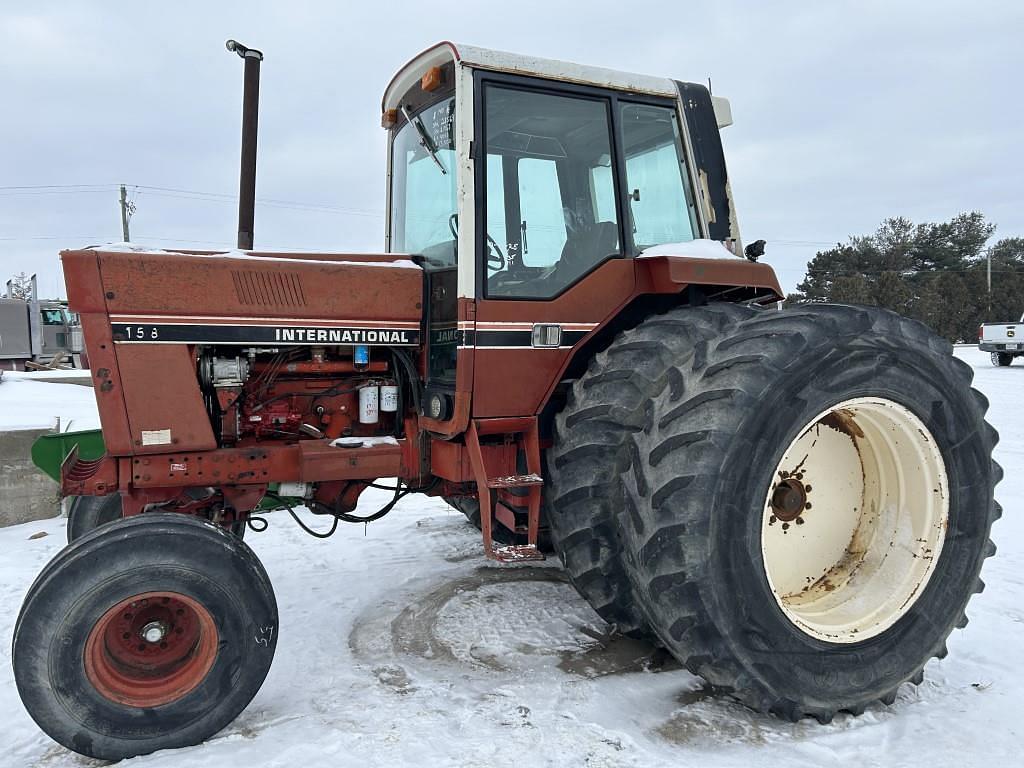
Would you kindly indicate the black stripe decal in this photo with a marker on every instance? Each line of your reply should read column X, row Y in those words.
column 521, row 339
column 272, row 335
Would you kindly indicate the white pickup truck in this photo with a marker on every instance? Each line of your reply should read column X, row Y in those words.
column 1004, row 341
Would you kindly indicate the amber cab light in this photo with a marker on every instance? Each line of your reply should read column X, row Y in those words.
column 431, row 80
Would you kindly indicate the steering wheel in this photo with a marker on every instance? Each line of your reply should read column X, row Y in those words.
column 495, row 257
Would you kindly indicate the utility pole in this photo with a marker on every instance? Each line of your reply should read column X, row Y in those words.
column 988, row 253
column 124, row 214
column 250, row 113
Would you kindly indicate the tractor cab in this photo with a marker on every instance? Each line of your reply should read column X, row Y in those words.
column 526, row 188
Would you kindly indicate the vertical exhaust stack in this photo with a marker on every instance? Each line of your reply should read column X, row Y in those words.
column 250, row 118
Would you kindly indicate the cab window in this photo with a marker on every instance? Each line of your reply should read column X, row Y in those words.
column 551, row 218
column 661, row 204
column 423, row 193
column 54, row 317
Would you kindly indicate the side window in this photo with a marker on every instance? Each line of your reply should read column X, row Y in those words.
column 554, row 218
column 661, row 203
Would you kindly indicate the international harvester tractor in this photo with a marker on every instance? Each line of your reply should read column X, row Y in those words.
column 564, row 338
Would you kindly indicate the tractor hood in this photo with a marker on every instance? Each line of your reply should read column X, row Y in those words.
column 247, row 298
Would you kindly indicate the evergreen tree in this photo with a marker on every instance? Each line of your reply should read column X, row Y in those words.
column 935, row 272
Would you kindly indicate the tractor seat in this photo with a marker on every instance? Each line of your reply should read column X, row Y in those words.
column 588, row 245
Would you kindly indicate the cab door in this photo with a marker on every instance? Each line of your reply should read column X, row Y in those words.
column 576, row 181
column 551, row 261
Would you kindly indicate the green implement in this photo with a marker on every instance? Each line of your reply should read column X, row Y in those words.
column 49, row 451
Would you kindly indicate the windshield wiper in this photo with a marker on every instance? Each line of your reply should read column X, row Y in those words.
column 425, row 141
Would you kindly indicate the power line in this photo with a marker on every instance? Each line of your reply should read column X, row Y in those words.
column 52, row 237
column 185, row 194
column 142, row 239
column 58, row 191
column 312, row 207
column 193, row 194
column 188, row 193
column 912, row 275
column 54, row 186
column 801, row 243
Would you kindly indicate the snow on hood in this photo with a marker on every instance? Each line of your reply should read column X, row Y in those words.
column 705, row 249
column 237, row 254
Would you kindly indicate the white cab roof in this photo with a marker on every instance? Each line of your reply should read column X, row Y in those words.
column 500, row 61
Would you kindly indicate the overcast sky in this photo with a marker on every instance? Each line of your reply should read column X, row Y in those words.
column 846, row 112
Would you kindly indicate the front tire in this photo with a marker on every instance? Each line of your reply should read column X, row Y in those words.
column 148, row 633
column 822, row 616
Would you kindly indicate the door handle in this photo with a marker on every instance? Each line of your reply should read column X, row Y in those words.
column 546, row 335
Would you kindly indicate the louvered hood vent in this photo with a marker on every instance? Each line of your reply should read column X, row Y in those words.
column 269, row 289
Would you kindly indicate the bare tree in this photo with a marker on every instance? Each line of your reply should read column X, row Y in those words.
column 21, row 286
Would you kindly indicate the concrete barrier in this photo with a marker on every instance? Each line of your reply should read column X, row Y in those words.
column 82, row 378
column 25, row 492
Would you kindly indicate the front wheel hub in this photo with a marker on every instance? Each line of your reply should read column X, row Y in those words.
column 154, row 632
column 151, row 649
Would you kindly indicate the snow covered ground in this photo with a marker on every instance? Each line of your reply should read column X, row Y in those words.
column 29, row 404
column 400, row 645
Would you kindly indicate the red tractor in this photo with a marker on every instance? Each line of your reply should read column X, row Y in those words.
column 565, row 338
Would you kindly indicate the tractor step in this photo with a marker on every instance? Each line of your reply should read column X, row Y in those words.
column 494, row 462
column 514, row 481
column 517, row 553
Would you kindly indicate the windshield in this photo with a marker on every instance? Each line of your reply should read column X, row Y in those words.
column 54, row 317
column 423, row 212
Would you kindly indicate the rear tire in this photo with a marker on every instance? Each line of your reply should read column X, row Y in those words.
column 595, row 445
column 880, row 413
column 148, row 633
column 1001, row 359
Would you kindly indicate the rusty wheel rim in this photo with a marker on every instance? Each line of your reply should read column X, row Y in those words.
column 151, row 649
column 854, row 520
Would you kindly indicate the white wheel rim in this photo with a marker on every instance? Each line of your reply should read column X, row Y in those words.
column 854, row 520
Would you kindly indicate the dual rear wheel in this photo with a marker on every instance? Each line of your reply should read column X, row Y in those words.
column 797, row 504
